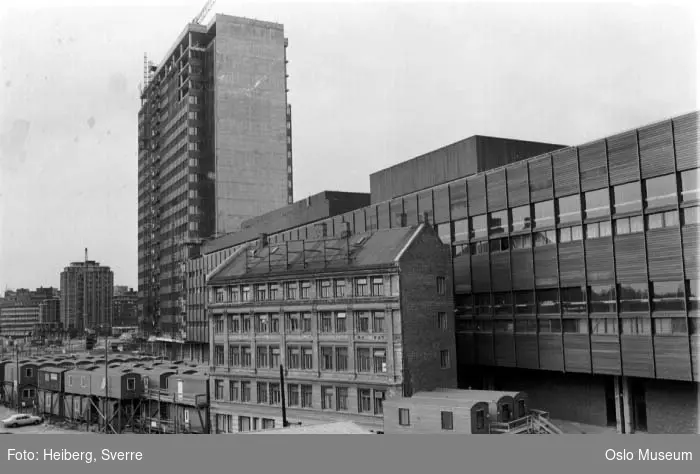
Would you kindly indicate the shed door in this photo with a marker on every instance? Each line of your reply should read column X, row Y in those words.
column 180, row 386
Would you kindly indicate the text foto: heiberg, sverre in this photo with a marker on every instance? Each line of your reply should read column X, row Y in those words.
column 66, row 455
column 647, row 455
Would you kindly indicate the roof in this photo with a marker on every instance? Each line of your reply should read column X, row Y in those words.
column 457, row 394
column 340, row 427
column 436, row 399
column 57, row 370
column 367, row 250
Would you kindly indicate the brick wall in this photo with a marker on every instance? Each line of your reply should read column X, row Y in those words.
column 573, row 397
column 672, row 407
column 425, row 260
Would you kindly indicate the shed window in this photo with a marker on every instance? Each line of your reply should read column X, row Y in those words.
column 446, row 420
column 131, row 384
column 404, row 417
column 28, row 372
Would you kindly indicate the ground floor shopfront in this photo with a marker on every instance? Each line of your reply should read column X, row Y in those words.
column 627, row 403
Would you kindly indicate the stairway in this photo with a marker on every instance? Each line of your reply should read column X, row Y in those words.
column 536, row 422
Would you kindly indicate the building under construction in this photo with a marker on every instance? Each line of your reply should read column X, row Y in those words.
column 214, row 149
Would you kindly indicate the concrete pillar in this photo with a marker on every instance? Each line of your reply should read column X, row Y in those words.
column 627, row 405
column 619, row 411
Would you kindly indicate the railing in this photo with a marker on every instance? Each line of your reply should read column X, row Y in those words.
column 536, row 422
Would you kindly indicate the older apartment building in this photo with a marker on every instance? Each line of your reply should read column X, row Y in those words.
column 350, row 320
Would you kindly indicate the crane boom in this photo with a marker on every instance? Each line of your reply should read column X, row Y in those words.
column 202, row 14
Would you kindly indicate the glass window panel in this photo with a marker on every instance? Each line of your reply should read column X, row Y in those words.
column 597, row 203
column 548, row 237
column 667, row 296
column 478, row 226
column 520, row 218
column 548, row 301
column 425, row 206
column 670, row 219
column 569, row 209
column 602, row 299
column 607, row 326
column 544, row 214
column 693, row 290
column 661, row 191
column 690, row 188
column 605, row 228
column 592, row 231
column 622, row 226
column 576, row 233
column 634, row 297
column 524, row 302
column 444, row 232
column 502, row 303
column 627, row 197
column 573, row 300
column 691, row 215
column 458, row 200
column 565, row 235
column 655, row 221
column 670, row 326
column 460, row 230
column 521, row 242
column 498, row 223
column 636, row 224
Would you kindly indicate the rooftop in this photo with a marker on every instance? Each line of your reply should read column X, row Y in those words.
column 375, row 249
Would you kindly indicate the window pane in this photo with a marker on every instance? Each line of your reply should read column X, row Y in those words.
column 602, row 299
column 668, row 296
column 670, row 218
column 634, row 297
column 627, row 197
column 520, row 218
column 565, row 235
column 577, row 233
column 655, row 221
column 622, row 226
column 691, row 215
column 460, row 230
column 604, row 326
column 689, row 185
column 661, row 191
column 444, row 232
column 458, row 200
column 502, row 303
column 569, row 209
column 573, row 300
column 548, row 301
column 498, row 223
column 592, row 231
column 544, row 214
column 521, row 242
column 524, row 302
column 597, row 203
column 637, row 224
column 693, row 295
column 670, row 326
column 478, row 227
column 545, row 238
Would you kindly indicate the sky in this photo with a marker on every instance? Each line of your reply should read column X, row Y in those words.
column 371, row 85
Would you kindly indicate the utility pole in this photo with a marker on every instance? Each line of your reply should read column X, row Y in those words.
column 18, row 379
column 285, row 423
column 106, row 382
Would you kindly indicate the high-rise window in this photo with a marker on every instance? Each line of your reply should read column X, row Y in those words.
column 597, row 203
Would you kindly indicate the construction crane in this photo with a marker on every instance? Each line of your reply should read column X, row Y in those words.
column 202, row 14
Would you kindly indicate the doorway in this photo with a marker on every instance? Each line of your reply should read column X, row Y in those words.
column 639, row 405
column 610, row 402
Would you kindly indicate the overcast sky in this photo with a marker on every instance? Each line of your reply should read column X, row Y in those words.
column 371, row 85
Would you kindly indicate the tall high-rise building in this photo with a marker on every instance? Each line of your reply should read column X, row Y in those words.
column 86, row 295
column 214, row 149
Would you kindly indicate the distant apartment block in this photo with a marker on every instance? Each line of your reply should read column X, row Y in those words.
column 18, row 321
column 86, row 295
column 125, row 309
column 215, row 149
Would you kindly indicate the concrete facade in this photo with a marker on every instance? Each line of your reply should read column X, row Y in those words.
column 214, row 150
column 18, row 321
column 86, row 295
